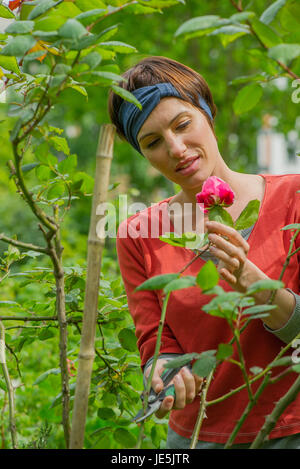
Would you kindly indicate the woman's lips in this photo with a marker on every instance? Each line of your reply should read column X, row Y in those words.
column 189, row 166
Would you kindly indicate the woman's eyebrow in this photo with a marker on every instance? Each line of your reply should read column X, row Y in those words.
column 170, row 123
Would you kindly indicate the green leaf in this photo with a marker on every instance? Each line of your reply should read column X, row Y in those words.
column 208, row 276
column 118, row 46
column 56, row 191
column 60, row 144
column 124, row 438
column 128, row 339
column 242, row 16
column 68, row 165
column 78, row 88
column 290, row 16
column 53, row 371
column 292, row 226
column 259, row 309
column 5, row 12
column 158, row 434
column 183, row 360
column 89, row 17
column 219, row 214
column 20, row 27
column 269, row 14
column 244, row 79
column 284, row 52
column 72, row 29
column 93, row 59
column 255, row 370
column 50, row 23
column 86, row 5
column 105, row 413
column 18, row 46
column 108, row 76
column 158, row 282
column 10, row 63
column 42, row 7
column 223, row 306
column 266, row 35
column 28, row 167
column 33, row 55
column 109, row 32
column 200, row 25
column 247, row 98
column 126, row 95
column 248, row 216
column 283, row 361
column 182, row 282
column 46, row 334
column 83, row 182
column 224, row 351
column 205, row 363
column 229, row 33
column 267, row 284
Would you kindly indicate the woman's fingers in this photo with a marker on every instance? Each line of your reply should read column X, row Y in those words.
column 166, row 406
column 233, row 235
column 187, row 386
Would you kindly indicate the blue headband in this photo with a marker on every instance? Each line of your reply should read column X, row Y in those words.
column 132, row 118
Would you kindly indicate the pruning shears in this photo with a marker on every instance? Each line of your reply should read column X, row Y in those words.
column 155, row 399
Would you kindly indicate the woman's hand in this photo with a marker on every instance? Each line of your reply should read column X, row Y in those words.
column 231, row 249
column 187, row 386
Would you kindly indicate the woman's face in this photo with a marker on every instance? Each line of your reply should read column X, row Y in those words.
column 178, row 141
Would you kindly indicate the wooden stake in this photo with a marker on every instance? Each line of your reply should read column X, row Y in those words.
column 95, row 247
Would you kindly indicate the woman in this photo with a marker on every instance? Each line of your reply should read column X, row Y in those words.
column 174, row 131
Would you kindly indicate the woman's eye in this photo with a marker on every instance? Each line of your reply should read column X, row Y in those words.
column 154, row 142
column 183, row 124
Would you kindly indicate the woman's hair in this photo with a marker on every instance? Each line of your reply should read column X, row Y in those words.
column 154, row 70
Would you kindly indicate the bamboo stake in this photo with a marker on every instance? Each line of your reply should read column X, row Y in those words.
column 95, row 247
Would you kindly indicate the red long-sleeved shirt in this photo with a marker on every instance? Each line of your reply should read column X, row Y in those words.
column 189, row 329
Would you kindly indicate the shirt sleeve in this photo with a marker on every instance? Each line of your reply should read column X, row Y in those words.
column 291, row 328
column 144, row 306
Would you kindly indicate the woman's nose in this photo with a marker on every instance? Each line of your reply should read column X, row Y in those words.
column 175, row 145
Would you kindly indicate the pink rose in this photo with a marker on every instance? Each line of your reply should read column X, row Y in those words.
column 215, row 191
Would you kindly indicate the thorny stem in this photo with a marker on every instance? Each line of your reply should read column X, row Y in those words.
column 236, row 334
column 247, row 411
column 202, row 413
column 194, row 259
column 272, row 418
